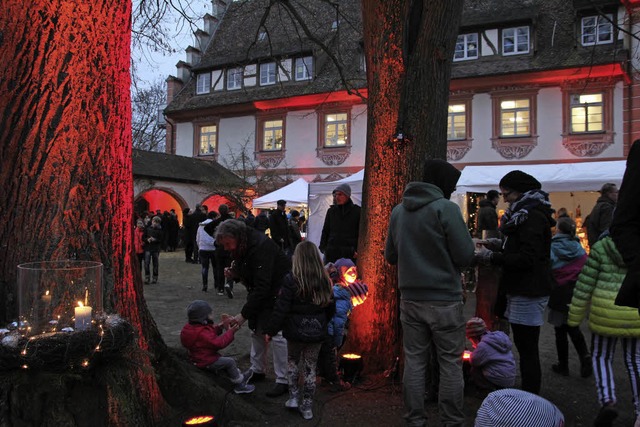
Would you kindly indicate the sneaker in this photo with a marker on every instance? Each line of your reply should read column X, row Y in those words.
column 246, row 376
column 278, row 390
column 228, row 290
column 606, row 415
column 244, row 388
column 292, row 403
column 220, row 292
column 559, row 369
column 204, row 289
column 307, row 414
column 146, row 281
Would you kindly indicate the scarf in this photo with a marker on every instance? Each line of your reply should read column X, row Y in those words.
column 518, row 211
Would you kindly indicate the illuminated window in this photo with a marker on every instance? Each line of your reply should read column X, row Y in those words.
column 234, row 78
column 203, row 83
column 515, row 41
column 587, row 113
column 597, row 30
column 466, row 47
column 515, row 118
column 336, row 130
column 208, row 140
column 273, row 135
column 267, row 73
column 457, row 122
column 304, row 68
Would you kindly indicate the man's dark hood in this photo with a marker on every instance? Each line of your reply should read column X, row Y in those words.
column 441, row 174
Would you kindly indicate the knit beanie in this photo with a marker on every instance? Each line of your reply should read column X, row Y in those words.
column 344, row 262
column 511, row 407
column 345, row 188
column 475, row 327
column 198, row 311
column 520, row 182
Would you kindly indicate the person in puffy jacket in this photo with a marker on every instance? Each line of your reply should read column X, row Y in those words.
column 492, row 363
column 567, row 259
column 339, row 237
column 203, row 339
column 206, row 249
column 598, row 286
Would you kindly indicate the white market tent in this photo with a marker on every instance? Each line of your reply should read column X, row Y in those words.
column 585, row 176
column 555, row 178
column 295, row 194
column 321, row 197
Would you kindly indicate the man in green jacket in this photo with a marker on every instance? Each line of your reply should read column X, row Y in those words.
column 429, row 241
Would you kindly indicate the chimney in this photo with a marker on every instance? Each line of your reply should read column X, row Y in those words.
column 193, row 55
column 218, row 8
column 202, row 39
column 210, row 24
column 174, row 85
column 184, row 71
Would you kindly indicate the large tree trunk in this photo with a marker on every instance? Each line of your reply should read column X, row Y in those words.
column 409, row 49
column 67, row 193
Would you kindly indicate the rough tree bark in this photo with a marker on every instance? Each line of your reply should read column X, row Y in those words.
column 409, row 46
column 67, row 193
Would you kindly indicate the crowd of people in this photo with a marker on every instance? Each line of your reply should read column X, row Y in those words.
column 300, row 296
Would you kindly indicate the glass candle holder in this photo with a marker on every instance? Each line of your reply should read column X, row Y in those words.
column 58, row 295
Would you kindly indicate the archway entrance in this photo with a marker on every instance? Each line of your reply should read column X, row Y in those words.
column 154, row 199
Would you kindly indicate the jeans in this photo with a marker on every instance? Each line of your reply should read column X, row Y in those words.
column 440, row 324
column 258, row 356
column 228, row 366
column 223, row 259
column 148, row 257
column 206, row 258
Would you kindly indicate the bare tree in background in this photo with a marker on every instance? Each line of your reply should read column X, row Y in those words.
column 147, row 103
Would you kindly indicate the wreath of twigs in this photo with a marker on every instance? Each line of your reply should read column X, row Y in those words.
column 68, row 351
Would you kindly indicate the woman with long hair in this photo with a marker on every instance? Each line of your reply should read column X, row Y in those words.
column 304, row 306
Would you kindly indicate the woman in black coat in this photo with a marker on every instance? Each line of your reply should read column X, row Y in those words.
column 526, row 267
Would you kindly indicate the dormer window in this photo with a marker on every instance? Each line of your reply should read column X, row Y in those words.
column 466, row 47
column 304, row 68
column 203, row 83
column 234, row 78
column 267, row 73
column 597, row 30
column 515, row 41
column 335, row 25
column 262, row 36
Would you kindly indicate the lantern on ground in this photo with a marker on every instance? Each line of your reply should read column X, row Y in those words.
column 351, row 366
column 201, row 421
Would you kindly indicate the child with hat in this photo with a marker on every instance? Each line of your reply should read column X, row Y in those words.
column 348, row 293
column 203, row 339
column 492, row 363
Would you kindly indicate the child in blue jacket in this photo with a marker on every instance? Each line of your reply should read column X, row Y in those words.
column 348, row 292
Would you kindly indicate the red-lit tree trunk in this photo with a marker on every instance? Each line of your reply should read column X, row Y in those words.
column 409, row 46
column 67, row 193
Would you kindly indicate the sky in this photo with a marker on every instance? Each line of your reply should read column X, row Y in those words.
column 153, row 66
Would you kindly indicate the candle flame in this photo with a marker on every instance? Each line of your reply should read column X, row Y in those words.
column 80, row 304
column 351, row 356
column 46, row 293
column 466, row 355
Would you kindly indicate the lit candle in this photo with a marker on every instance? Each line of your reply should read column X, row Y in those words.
column 83, row 317
column 46, row 298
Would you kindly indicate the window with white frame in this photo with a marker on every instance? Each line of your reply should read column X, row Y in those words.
column 203, row 83
column 515, row 117
column 208, row 140
column 457, row 122
column 466, row 47
column 587, row 113
column 515, row 41
column 597, row 30
column 336, row 129
column 267, row 73
column 234, row 78
column 304, row 68
column 272, row 135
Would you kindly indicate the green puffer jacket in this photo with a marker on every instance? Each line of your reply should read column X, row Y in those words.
column 598, row 283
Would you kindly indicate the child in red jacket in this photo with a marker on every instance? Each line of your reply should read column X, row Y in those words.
column 203, row 339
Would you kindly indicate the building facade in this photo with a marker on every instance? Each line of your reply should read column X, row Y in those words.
column 534, row 81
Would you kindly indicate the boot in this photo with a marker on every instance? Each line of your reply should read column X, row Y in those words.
column 155, row 279
column 146, row 280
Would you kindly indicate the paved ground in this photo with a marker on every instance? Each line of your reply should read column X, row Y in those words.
column 371, row 402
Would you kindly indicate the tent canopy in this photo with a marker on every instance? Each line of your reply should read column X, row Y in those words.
column 295, row 194
column 585, row 176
